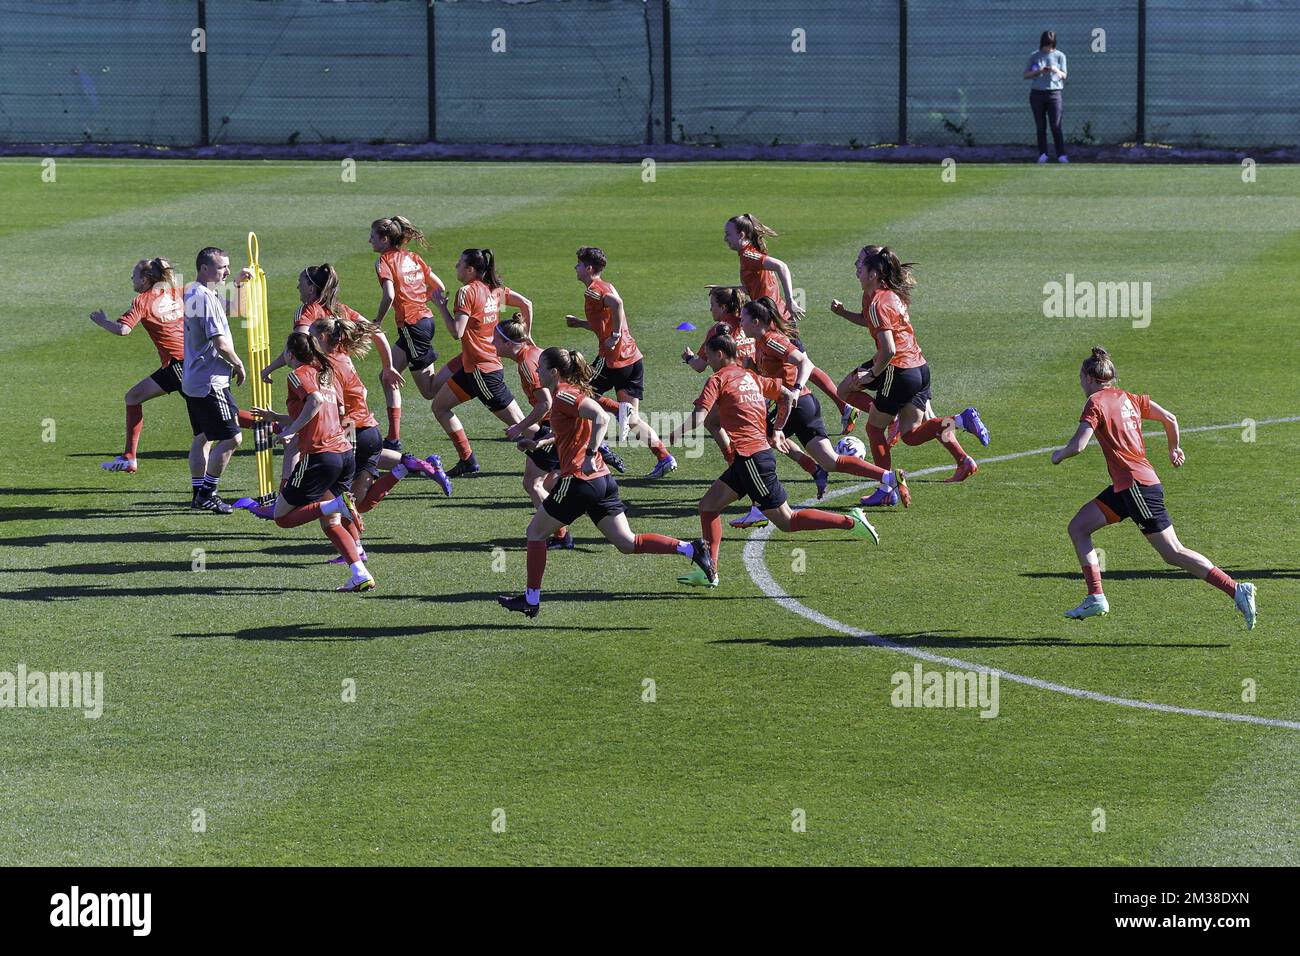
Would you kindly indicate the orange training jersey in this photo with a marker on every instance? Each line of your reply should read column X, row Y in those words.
column 307, row 314
column 1115, row 417
column 772, row 359
column 355, row 410
column 759, row 282
column 601, row 317
column 413, row 284
column 528, row 377
column 573, row 434
column 323, row 432
column 741, row 397
column 731, row 326
column 483, row 306
column 162, row 310
column 885, row 311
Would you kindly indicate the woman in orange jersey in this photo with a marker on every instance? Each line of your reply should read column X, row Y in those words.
column 477, row 371
column 765, row 275
column 1115, row 417
column 406, row 285
column 898, row 372
column 620, row 366
column 318, row 488
column 585, row 485
column 725, row 303
column 742, row 398
column 158, row 305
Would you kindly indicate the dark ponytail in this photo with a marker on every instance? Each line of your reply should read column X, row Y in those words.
column 894, row 275
column 730, row 298
column 1099, row 367
column 484, row 265
column 764, row 311
column 570, row 366
column 753, row 231
column 326, row 283
column 303, row 348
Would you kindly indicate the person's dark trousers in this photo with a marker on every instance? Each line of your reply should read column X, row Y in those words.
column 1047, row 103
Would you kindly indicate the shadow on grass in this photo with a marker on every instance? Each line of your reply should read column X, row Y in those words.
column 515, row 587
column 75, row 592
column 149, row 567
column 160, row 455
column 949, row 640
column 124, row 537
column 322, row 632
column 1161, row 574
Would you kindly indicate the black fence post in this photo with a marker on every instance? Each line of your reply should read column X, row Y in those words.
column 432, row 84
column 902, row 72
column 1142, row 73
column 668, row 76
column 203, row 74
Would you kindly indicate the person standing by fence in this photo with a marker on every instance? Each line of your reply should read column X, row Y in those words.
column 1046, row 68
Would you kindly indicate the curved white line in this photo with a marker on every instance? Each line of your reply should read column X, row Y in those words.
column 753, row 555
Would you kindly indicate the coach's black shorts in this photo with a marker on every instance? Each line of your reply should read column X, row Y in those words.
column 755, row 476
column 416, row 340
column 897, row 387
column 628, row 380
column 490, row 388
column 215, row 416
column 168, row 378
column 597, row 498
column 805, row 421
column 369, row 444
column 548, row 458
column 1145, row 504
column 317, row 473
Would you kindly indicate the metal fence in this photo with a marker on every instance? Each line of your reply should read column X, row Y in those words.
column 848, row 72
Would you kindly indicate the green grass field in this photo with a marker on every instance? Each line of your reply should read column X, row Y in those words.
column 223, row 686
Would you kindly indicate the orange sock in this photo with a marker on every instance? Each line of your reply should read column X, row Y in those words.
column 879, row 447
column 654, row 544
column 660, row 451
column 1092, row 577
column 394, row 424
column 850, row 465
column 1222, row 582
column 378, row 488
column 804, row 462
column 343, row 542
column 711, row 531
column 861, row 401
column 536, row 563
column 462, row 444
column 300, row 516
column 936, row 428
column 607, row 403
column 810, row 519
column 134, row 422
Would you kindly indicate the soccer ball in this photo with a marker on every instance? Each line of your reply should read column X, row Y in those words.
column 848, row 445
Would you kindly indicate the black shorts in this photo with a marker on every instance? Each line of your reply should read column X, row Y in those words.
column 897, row 387
column 630, row 379
column 369, row 444
column 416, row 340
column 215, row 416
column 490, row 388
column 597, row 498
column 1145, row 504
column 805, row 421
column 168, row 378
column 548, row 458
column 317, row 473
column 755, row 477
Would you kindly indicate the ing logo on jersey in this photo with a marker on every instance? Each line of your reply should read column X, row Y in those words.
column 1130, row 414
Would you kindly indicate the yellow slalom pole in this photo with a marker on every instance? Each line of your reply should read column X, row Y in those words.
column 259, row 357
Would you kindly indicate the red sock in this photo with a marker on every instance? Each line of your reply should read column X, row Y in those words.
column 300, row 516
column 343, row 542
column 654, row 544
column 823, row 381
column 462, row 443
column 1092, row 577
column 879, row 447
column 395, row 423
column 378, row 488
column 1222, row 582
column 856, row 466
column 804, row 462
column 246, row 419
column 354, row 530
column 607, row 403
column 934, row 428
column 861, row 400
column 810, row 519
column 660, row 451
column 711, row 531
column 134, row 422
column 536, row 563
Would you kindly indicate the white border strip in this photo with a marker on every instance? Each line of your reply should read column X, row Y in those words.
column 754, row 564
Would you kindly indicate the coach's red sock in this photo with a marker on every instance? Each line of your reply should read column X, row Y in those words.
column 654, row 544
column 804, row 462
column 711, row 531
column 343, row 542
column 823, row 381
column 879, row 447
column 1222, row 582
column 1092, row 577
column 395, row 424
column 607, row 403
column 536, row 563
column 134, row 422
column 462, row 443
column 852, row 465
column 378, row 488
column 861, row 401
column 301, row 515
column 246, row 419
column 810, row 519
column 941, row 429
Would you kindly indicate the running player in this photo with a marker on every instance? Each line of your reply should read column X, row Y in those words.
column 318, row 488
column 765, row 275
column 477, row 371
column 1115, row 417
column 619, row 365
column 725, row 303
column 898, row 372
column 159, row 306
column 406, row 284
column 585, row 485
column 742, row 398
